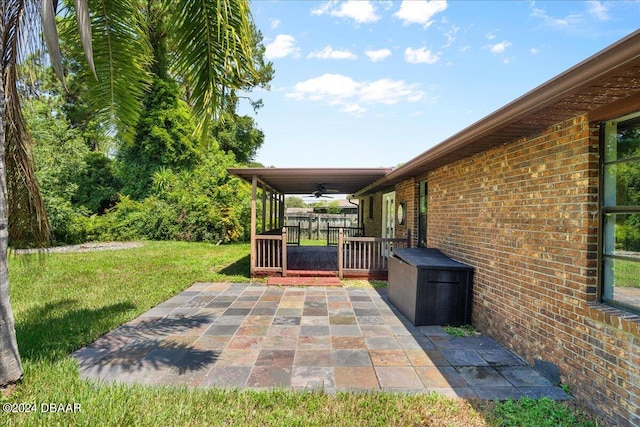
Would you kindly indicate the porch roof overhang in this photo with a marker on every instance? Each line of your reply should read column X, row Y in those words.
column 296, row 181
column 604, row 86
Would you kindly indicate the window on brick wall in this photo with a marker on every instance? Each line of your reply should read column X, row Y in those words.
column 422, row 215
column 620, row 156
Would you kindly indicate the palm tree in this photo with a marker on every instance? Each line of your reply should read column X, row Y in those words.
column 212, row 51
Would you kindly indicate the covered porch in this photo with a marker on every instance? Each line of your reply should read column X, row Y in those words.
column 275, row 246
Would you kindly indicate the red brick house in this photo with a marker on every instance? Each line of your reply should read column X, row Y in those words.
column 542, row 198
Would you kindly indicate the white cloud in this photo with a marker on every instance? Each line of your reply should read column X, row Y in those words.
column 377, row 55
column 568, row 21
column 361, row 11
column 354, row 109
column 275, row 23
column 329, row 53
column 499, row 47
column 331, row 87
column 420, row 12
column 354, row 96
column 283, row 45
column 490, row 36
column 534, row 51
column 598, row 10
column 420, row 56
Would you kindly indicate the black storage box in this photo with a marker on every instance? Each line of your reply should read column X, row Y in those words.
column 430, row 288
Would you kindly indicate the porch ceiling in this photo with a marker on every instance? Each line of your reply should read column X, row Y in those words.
column 304, row 180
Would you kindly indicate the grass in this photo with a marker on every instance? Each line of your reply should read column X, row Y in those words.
column 626, row 273
column 66, row 301
column 461, row 331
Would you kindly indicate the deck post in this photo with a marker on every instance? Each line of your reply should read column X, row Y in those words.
column 284, row 252
column 254, row 193
column 408, row 238
column 340, row 249
column 264, row 208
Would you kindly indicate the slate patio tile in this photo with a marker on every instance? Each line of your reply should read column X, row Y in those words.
column 372, row 321
column 244, row 342
column 315, row 320
column 255, row 320
column 382, row 343
column 236, row 311
column 464, row 358
column 555, row 393
column 471, row 343
column 315, row 312
column 389, row 358
column 523, row 376
column 346, row 343
column 279, row 342
column 361, row 312
column 290, row 312
column 244, row 357
column 275, row 357
column 356, row 378
column 313, row 377
column 482, row 376
column 313, row 358
column 314, row 342
column 342, row 320
column 398, row 377
column 252, row 330
column 286, row 320
column 419, row 358
column 218, row 329
column 218, row 304
column 227, row 377
column 369, row 331
column 314, row 330
column 290, row 331
column 263, row 311
column 351, row 358
column 345, row 330
column 502, row 357
column 440, row 377
column 229, row 320
column 270, row 377
column 212, row 342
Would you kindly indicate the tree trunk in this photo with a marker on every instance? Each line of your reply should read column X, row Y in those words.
column 10, row 365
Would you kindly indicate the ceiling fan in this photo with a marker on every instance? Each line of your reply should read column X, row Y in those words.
column 321, row 191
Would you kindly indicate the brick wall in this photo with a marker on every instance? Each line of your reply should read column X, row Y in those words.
column 407, row 193
column 373, row 226
column 525, row 215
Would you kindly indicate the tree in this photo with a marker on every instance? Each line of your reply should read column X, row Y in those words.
column 213, row 49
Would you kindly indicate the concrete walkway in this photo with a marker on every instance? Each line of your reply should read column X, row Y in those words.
column 334, row 339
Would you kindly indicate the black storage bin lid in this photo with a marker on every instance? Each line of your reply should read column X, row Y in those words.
column 428, row 258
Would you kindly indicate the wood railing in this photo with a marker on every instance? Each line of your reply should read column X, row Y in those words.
column 293, row 234
column 332, row 233
column 271, row 252
column 366, row 255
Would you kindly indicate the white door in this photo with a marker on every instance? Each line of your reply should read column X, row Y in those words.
column 389, row 215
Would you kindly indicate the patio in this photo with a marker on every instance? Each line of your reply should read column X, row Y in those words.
column 331, row 339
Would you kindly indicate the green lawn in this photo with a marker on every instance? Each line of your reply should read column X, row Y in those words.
column 64, row 301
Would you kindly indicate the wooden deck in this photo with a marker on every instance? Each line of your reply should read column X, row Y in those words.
column 312, row 259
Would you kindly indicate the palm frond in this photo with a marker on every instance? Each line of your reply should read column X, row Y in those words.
column 50, row 33
column 121, row 55
column 213, row 45
column 84, row 29
column 28, row 223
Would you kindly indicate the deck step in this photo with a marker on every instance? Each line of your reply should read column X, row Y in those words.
column 312, row 273
column 304, row 281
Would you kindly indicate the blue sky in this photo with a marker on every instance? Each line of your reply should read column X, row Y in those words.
column 376, row 83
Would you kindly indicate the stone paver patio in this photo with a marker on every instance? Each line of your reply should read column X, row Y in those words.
column 334, row 339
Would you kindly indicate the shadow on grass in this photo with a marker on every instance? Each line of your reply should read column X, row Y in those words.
column 241, row 267
column 148, row 345
column 51, row 331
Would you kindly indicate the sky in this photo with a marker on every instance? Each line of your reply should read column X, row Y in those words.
column 377, row 83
